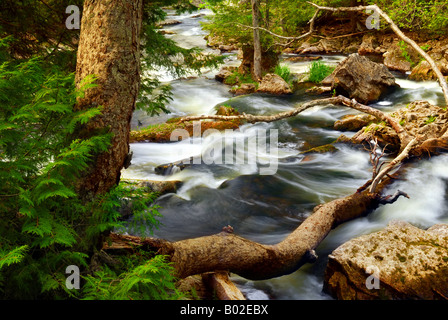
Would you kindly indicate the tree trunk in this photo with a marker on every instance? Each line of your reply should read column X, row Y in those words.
column 109, row 48
column 257, row 44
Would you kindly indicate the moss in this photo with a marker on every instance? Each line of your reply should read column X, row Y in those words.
column 162, row 132
column 321, row 149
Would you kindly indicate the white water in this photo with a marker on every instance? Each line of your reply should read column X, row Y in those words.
column 267, row 208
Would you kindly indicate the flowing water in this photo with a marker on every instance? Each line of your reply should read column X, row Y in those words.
column 267, row 207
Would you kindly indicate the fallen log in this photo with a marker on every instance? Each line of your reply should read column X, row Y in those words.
column 249, row 259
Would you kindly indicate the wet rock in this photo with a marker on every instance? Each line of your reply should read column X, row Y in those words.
column 353, row 122
column 423, row 71
column 420, row 119
column 160, row 187
column 394, row 61
column 224, row 73
column 303, row 58
column 327, row 148
column 398, row 262
column 245, row 88
column 226, row 111
column 401, row 59
column 313, row 50
column 384, row 134
column 227, row 47
column 331, row 45
column 360, row 78
column 162, row 31
column 168, row 22
column 369, row 45
column 319, row 89
column 274, row 84
column 171, row 168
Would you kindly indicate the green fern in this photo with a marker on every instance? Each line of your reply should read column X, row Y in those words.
column 12, row 256
column 152, row 280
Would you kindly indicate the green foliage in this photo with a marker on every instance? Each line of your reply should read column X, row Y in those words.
column 318, row 71
column 404, row 51
column 417, row 15
column 430, row 119
column 237, row 78
column 283, row 71
column 44, row 226
column 38, row 28
column 151, row 280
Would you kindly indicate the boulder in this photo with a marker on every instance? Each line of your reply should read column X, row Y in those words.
column 353, row 122
column 395, row 61
column 369, row 45
column 400, row 59
column 398, row 262
column 360, row 78
column 274, row 84
column 420, row 119
column 224, row 73
column 423, row 71
column 168, row 22
column 245, row 88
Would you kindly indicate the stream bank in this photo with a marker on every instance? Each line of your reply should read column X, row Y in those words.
column 267, row 208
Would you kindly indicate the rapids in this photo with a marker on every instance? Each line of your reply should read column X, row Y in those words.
column 266, row 208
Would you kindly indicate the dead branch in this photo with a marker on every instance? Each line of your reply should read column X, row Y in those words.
column 400, row 34
column 394, row 163
column 392, row 198
column 292, row 39
column 339, row 100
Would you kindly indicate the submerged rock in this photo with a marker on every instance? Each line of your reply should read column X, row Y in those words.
column 360, row 78
column 398, row 262
column 274, row 84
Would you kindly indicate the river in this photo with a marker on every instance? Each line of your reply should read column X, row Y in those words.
column 267, row 207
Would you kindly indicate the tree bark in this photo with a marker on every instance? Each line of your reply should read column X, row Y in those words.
column 109, row 48
column 257, row 43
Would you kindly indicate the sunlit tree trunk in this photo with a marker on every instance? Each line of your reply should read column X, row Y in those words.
column 109, row 48
column 257, row 43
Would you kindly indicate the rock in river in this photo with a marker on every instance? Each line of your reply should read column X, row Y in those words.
column 274, row 84
column 360, row 78
column 398, row 262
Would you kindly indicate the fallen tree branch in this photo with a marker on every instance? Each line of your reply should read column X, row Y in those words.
column 400, row 34
column 249, row 259
column 341, row 100
column 311, row 30
column 395, row 162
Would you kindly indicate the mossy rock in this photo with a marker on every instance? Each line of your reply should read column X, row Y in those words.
column 321, row 149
